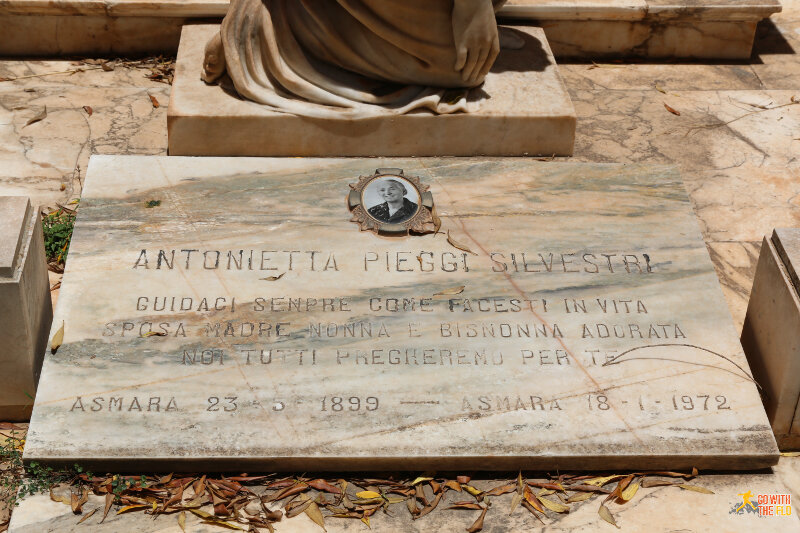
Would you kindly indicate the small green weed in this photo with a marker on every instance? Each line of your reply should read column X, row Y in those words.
column 18, row 481
column 57, row 228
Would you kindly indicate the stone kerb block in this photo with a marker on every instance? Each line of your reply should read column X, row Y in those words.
column 25, row 308
column 771, row 333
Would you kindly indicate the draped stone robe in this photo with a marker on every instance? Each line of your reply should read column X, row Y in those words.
column 344, row 58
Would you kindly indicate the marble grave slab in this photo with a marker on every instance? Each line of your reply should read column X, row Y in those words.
column 226, row 314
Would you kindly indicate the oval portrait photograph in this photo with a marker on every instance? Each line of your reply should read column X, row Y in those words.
column 390, row 199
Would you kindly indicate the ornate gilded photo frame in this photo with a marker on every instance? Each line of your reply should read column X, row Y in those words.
column 389, row 202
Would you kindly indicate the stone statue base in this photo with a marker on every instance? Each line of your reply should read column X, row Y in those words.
column 522, row 109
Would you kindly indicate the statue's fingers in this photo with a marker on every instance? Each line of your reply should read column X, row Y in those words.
column 461, row 58
column 493, row 52
column 469, row 66
column 474, row 76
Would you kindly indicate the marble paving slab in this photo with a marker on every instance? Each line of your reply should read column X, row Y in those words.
column 524, row 110
column 525, row 9
column 510, row 373
column 587, row 29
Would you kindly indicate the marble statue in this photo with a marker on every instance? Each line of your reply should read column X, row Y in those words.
column 355, row 58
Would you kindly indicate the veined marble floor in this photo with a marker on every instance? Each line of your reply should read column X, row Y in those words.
column 740, row 161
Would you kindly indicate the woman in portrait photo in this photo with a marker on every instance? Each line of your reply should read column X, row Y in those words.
column 396, row 207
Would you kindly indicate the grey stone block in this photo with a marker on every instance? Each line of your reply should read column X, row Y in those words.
column 25, row 308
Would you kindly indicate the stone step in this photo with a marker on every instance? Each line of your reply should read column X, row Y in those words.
column 580, row 28
column 524, row 110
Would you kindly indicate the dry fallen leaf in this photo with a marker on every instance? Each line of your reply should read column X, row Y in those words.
column 458, row 245
column 503, row 489
column 437, row 222
column 76, row 502
column 478, row 525
column 367, row 495
column 182, row 520
column 87, row 515
column 515, row 501
column 449, row 292
column 109, row 501
column 88, row 110
column 629, row 492
column 315, row 514
column 672, row 110
column 606, row 515
column 155, row 334
column 154, row 100
column 579, row 497
column 60, row 498
column 659, row 89
column 273, row 278
column 133, row 507
column 695, row 488
column 58, row 339
column 554, row 506
column 533, row 500
column 324, row 486
column 472, row 490
column 41, row 115
column 422, row 479
column 466, row 505
column 649, row 483
column 453, row 484
column 600, row 481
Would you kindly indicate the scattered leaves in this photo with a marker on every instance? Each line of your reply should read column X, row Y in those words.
column 88, row 109
column 238, row 507
column 154, row 100
column 672, row 110
column 273, row 278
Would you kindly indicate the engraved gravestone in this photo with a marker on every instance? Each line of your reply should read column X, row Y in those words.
column 225, row 313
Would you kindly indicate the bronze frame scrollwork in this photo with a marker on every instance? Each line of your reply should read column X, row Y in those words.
column 420, row 223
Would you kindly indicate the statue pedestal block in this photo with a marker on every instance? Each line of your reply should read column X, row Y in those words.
column 527, row 112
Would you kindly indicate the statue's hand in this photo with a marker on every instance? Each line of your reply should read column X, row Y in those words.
column 477, row 43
